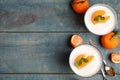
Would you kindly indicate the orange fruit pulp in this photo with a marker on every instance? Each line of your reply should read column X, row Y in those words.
column 115, row 57
column 76, row 40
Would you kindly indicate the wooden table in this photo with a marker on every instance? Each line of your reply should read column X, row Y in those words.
column 34, row 39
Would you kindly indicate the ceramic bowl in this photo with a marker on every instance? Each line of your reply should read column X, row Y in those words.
column 101, row 28
column 93, row 67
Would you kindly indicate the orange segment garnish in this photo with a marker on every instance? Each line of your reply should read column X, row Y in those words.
column 98, row 17
column 81, row 60
column 79, row 57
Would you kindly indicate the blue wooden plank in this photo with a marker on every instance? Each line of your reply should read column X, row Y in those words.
column 47, row 77
column 35, row 52
column 48, row 15
column 47, row 50
column 41, row 52
column 52, row 77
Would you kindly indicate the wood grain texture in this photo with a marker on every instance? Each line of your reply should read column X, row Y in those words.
column 35, row 52
column 52, row 77
column 40, row 52
column 34, row 39
column 48, row 15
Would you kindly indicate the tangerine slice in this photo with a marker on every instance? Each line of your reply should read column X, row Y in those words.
column 115, row 57
column 83, row 64
column 76, row 40
column 79, row 57
column 96, row 17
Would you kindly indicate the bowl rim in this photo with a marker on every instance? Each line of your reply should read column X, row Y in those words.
column 105, row 5
column 101, row 63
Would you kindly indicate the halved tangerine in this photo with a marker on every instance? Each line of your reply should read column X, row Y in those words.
column 115, row 57
column 76, row 40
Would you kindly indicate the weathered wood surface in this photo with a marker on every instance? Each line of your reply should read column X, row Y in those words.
column 52, row 77
column 45, row 15
column 34, row 39
column 35, row 52
column 41, row 52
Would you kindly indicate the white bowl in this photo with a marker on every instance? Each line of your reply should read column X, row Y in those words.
column 93, row 67
column 101, row 28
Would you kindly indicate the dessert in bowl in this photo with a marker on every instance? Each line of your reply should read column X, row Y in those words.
column 85, row 60
column 100, row 19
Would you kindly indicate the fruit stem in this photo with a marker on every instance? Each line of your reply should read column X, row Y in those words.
column 80, row 2
column 117, row 35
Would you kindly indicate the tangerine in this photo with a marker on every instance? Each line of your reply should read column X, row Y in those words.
column 115, row 57
column 109, row 42
column 76, row 40
column 80, row 6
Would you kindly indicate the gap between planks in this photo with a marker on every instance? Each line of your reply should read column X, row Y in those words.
column 44, row 32
column 49, row 73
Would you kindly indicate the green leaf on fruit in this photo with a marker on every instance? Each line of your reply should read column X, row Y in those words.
column 117, row 35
